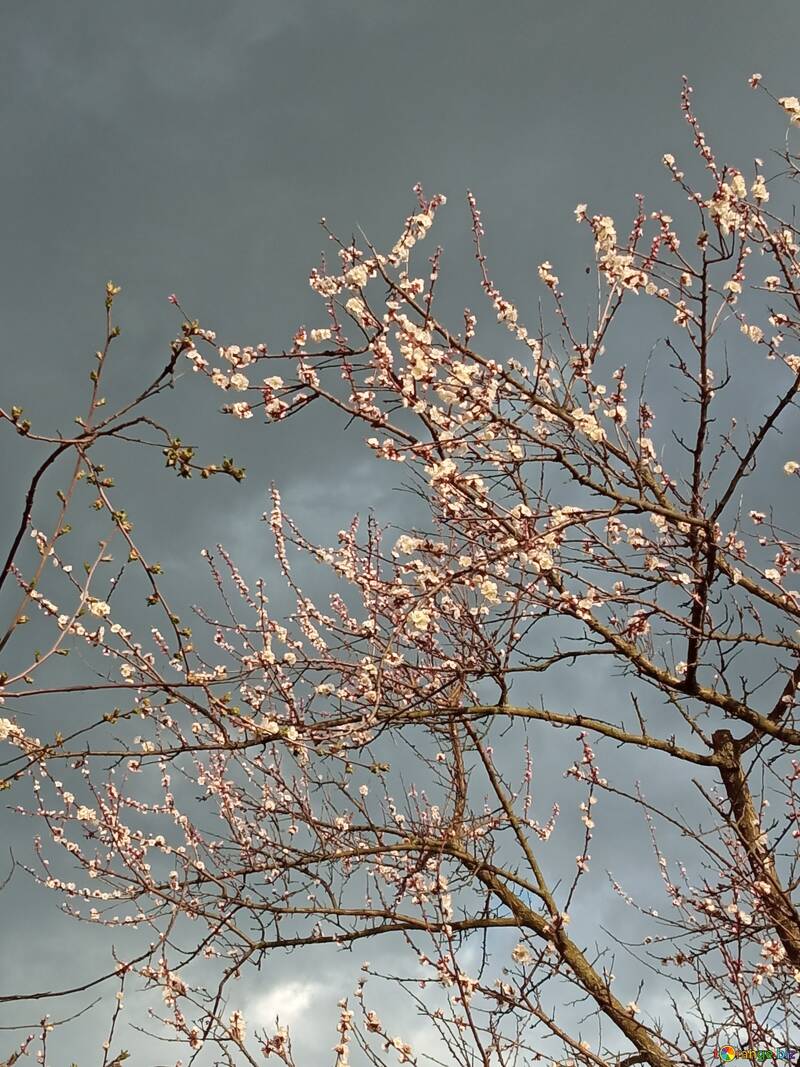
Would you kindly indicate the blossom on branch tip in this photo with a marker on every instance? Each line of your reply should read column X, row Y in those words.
column 791, row 105
column 241, row 409
column 237, row 1027
column 546, row 275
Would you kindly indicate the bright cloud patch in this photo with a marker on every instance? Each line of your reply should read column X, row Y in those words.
column 288, row 1001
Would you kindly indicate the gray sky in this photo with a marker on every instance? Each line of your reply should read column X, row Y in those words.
column 193, row 146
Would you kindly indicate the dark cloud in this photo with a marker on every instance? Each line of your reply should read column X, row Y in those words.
column 192, row 146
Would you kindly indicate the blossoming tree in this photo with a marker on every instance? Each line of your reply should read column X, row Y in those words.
column 366, row 771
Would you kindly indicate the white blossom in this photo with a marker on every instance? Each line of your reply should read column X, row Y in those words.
column 521, row 954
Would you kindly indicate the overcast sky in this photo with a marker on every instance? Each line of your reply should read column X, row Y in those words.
column 192, row 147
